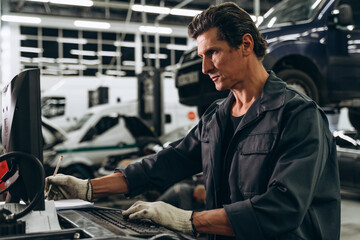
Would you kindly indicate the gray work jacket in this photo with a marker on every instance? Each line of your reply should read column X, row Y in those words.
column 283, row 179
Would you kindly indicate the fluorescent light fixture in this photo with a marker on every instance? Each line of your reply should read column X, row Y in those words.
column 90, row 62
column 76, row 67
column 128, row 63
column 83, row 52
column 43, row 1
column 155, row 56
column 150, row 9
column 151, row 29
column 25, row 59
column 81, row 3
column 184, row 12
column 124, row 44
column 20, row 19
column 92, row 24
column 108, row 54
column 67, row 60
column 43, row 60
column 72, row 40
column 115, row 72
column 31, row 49
column 131, row 63
column 177, row 47
column 165, row 10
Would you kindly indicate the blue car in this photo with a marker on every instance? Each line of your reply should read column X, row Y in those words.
column 313, row 45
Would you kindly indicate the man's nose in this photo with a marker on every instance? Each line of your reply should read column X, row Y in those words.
column 207, row 66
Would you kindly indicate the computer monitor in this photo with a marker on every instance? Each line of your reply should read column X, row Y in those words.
column 21, row 132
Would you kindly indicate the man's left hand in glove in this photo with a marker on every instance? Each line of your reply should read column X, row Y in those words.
column 163, row 214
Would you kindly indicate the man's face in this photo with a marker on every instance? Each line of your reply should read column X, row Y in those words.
column 225, row 65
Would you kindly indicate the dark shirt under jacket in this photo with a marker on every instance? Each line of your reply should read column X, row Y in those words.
column 230, row 128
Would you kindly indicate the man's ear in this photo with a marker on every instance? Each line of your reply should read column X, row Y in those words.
column 248, row 44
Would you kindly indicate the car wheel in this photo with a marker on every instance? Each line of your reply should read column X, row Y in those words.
column 78, row 171
column 354, row 117
column 301, row 82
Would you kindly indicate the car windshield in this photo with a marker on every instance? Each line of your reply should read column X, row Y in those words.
column 290, row 11
column 81, row 122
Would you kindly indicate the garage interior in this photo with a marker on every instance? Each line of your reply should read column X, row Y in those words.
column 121, row 44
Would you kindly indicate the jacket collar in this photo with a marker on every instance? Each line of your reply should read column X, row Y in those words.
column 272, row 97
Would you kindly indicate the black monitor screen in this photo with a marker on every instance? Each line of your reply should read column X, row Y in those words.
column 21, row 131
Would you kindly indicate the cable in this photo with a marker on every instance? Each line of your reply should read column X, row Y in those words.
column 18, row 156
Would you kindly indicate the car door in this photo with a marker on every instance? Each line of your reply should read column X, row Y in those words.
column 343, row 45
column 109, row 136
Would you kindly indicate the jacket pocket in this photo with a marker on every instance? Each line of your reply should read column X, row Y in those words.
column 250, row 165
column 257, row 144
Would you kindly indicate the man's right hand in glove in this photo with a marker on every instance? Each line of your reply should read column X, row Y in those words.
column 67, row 187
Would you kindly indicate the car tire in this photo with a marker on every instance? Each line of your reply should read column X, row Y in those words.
column 354, row 117
column 301, row 82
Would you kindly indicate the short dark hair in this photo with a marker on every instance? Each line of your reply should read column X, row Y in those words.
column 232, row 23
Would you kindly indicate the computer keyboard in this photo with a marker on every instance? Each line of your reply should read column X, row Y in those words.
column 107, row 222
column 114, row 217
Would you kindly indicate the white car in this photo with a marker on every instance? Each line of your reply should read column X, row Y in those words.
column 113, row 162
column 102, row 132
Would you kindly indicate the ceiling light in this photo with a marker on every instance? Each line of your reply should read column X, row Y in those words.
column 115, row 72
column 25, row 59
column 108, row 54
column 83, row 52
column 20, row 19
column 72, row 40
column 150, row 9
column 177, row 47
column 43, row 60
column 124, row 44
column 90, row 62
column 82, row 3
column 151, row 29
column 155, row 56
column 131, row 63
column 67, row 60
column 92, row 24
column 43, row 1
column 31, row 49
column 75, row 67
column 184, row 12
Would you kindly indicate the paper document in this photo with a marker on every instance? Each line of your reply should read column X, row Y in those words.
column 72, row 204
column 37, row 221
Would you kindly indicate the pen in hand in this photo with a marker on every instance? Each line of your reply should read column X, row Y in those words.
column 54, row 174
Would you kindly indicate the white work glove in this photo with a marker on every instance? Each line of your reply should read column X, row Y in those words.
column 163, row 214
column 67, row 187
